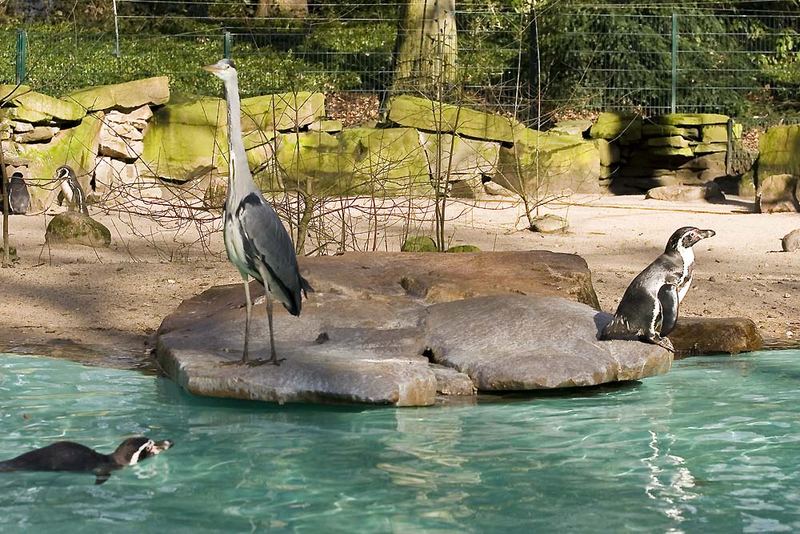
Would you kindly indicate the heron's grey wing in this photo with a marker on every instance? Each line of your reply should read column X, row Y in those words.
column 265, row 238
column 668, row 297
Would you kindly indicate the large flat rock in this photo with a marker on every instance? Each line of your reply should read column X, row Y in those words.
column 376, row 325
column 517, row 342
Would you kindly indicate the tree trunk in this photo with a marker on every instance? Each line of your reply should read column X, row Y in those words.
column 428, row 47
column 293, row 8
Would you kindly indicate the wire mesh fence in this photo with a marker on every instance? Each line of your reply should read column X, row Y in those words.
column 642, row 57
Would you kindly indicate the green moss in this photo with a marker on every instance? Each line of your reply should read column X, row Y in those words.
column 419, row 243
column 778, row 150
column 617, row 126
column 463, row 248
column 134, row 94
column 432, row 116
column 78, row 229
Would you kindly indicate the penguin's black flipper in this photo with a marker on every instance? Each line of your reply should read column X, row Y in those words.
column 101, row 477
column 668, row 297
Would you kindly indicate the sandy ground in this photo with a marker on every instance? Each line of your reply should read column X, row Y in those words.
column 103, row 305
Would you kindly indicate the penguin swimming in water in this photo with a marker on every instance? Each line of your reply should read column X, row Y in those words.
column 71, row 190
column 70, row 456
column 648, row 310
column 19, row 199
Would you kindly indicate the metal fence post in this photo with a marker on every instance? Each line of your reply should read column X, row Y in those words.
column 227, row 43
column 674, row 93
column 22, row 55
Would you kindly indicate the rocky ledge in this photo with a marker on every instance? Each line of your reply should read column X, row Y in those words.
column 403, row 328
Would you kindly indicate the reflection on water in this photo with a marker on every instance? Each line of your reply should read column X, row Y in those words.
column 712, row 446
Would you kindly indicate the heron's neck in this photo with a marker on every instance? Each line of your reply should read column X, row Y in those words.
column 242, row 184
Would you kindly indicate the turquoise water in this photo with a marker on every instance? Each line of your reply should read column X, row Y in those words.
column 713, row 446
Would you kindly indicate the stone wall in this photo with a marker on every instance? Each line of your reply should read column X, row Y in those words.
column 132, row 140
column 638, row 154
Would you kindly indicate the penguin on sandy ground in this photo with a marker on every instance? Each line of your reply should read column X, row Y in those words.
column 19, row 199
column 71, row 190
column 648, row 310
column 70, row 456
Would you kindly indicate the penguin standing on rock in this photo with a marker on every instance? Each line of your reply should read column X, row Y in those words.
column 648, row 310
column 70, row 456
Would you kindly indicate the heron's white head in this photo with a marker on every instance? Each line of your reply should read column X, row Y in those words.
column 222, row 69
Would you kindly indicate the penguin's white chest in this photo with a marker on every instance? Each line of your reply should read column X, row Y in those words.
column 687, row 255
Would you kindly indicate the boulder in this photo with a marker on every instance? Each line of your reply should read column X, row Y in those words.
column 791, row 241
column 283, row 112
column 718, row 133
column 692, row 119
column 128, row 95
column 709, row 192
column 608, row 152
column 705, row 335
column 778, row 148
column 32, row 102
column 388, row 161
column 576, row 127
column 38, row 134
column 457, row 158
column 549, row 224
column 463, row 248
column 432, row 116
column 115, row 145
column 529, row 342
column 675, row 141
column 708, row 148
column 10, row 91
column 419, row 243
column 556, row 163
column 623, row 128
column 326, row 125
column 668, row 130
column 184, row 141
column 778, row 193
column 370, row 338
column 75, row 228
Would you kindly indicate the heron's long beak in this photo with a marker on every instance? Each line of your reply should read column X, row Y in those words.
column 213, row 68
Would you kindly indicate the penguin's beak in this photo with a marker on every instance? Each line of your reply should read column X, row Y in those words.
column 706, row 234
column 161, row 446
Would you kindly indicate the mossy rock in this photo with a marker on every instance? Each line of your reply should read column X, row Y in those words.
column 624, row 128
column 541, row 161
column 419, row 243
column 128, row 95
column 718, row 133
column 384, row 162
column 709, row 148
column 692, row 119
column 52, row 107
column 283, row 111
column 668, row 130
column 433, row 116
column 675, row 141
column 463, row 248
column 75, row 228
column 184, row 141
column 10, row 91
column 778, row 151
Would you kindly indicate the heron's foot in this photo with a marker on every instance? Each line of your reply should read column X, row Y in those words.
column 271, row 361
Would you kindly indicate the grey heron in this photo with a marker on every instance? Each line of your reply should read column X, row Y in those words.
column 255, row 239
column 19, row 199
column 71, row 190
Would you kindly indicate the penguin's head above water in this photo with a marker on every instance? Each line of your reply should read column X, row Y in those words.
column 134, row 450
column 686, row 237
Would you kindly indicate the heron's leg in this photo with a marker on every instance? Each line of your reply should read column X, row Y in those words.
column 248, row 313
column 273, row 359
